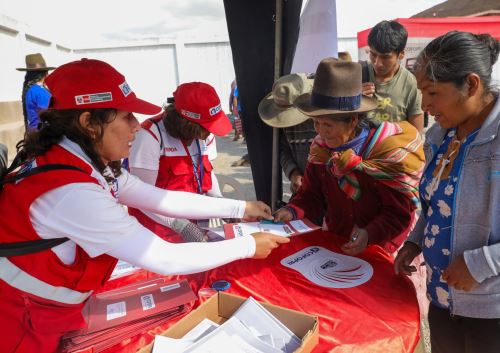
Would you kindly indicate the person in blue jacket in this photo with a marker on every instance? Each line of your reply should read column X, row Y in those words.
column 35, row 95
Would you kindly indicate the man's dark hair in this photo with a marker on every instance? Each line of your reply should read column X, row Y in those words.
column 387, row 37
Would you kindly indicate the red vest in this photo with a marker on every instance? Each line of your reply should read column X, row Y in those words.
column 86, row 273
column 175, row 172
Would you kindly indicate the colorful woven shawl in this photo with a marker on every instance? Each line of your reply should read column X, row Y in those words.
column 394, row 156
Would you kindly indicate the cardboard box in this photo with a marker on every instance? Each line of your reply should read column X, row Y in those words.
column 221, row 307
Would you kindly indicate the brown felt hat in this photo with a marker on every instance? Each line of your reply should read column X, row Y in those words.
column 277, row 109
column 336, row 90
column 35, row 62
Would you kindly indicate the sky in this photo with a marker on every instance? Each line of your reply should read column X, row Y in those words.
column 90, row 22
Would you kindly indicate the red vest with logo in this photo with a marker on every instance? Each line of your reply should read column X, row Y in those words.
column 86, row 273
column 175, row 173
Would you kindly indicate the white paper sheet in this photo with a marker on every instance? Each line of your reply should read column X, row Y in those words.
column 164, row 344
column 300, row 226
column 232, row 336
column 260, row 322
column 201, row 330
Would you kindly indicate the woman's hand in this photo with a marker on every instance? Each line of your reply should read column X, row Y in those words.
column 457, row 275
column 402, row 263
column 318, row 154
column 296, row 178
column 265, row 243
column 257, row 210
column 357, row 243
column 283, row 215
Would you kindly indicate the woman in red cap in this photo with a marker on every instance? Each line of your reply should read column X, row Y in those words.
column 174, row 150
column 63, row 227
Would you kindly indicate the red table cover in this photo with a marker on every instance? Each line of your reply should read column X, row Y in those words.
column 380, row 315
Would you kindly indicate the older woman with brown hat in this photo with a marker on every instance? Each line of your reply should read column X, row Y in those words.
column 363, row 175
column 35, row 96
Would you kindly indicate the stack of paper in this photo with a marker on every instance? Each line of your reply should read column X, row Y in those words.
column 251, row 329
column 124, row 312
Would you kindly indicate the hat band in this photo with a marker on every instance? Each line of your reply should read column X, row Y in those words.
column 337, row 103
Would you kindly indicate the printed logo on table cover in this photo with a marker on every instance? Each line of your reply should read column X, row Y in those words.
column 329, row 269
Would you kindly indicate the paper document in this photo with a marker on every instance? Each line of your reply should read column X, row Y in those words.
column 164, row 344
column 284, row 229
column 261, row 322
column 201, row 330
column 232, row 336
column 251, row 329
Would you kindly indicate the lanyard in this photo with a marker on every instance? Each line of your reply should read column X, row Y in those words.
column 197, row 169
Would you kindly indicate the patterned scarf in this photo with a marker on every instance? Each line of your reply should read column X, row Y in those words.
column 393, row 155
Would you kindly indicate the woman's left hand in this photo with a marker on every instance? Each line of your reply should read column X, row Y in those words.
column 457, row 275
column 257, row 210
column 357, row 243
column 318, row 154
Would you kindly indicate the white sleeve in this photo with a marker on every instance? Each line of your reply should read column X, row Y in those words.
column 91, row 218
column 85, row 213
column 150, row 252
column 145, row 151
column 215, row 191
column 211, row 144
column 177, row 204
column 150, row 176
column 146, row 175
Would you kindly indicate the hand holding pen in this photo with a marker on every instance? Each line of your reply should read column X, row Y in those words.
column 358, row 241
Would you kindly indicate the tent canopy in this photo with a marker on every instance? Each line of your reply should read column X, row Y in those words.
column 434, row 27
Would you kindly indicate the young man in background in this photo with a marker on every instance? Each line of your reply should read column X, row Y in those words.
column 394, row 87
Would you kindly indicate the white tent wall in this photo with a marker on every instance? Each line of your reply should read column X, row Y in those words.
column 211, row 63
column 153, row 67
column 155, row 70
column 15, row 42
column 150, row 70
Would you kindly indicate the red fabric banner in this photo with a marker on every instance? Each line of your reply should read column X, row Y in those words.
column 434, row 27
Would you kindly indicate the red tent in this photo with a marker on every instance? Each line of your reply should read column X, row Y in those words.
column 422, row 30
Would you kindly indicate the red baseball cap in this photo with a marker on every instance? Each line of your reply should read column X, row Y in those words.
column 198, row 102
column 91, row 84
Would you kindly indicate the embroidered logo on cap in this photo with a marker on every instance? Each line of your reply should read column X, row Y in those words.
column 125, row 88
column 215, row 110
column 190, row 114
column 93, row 98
